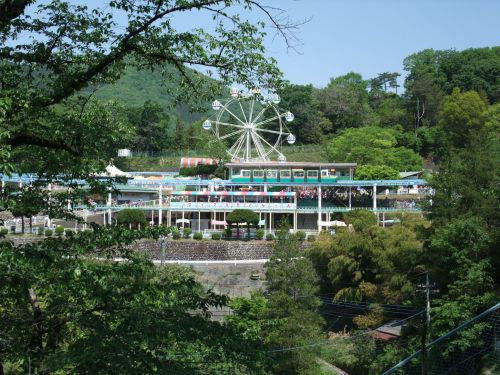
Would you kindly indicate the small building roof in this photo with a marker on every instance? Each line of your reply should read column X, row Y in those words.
column 291, row 164
column 411, row 174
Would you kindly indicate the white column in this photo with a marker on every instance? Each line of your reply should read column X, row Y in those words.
column 3, row 186
column 350, row 197
column 199, row 221
column 160, row 205
column 319, row 207
column 109, row 208
column 270, row 221
column 49, row 221
column 265, row 188
column 374, row 197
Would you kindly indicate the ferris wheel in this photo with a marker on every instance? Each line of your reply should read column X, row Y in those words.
column 253, row 127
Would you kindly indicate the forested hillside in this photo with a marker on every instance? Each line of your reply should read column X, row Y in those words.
column 368, row 120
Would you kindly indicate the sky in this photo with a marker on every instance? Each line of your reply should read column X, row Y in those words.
column 365, row 36
column 374, row 36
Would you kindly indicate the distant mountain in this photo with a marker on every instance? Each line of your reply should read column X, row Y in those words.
column 135, row 87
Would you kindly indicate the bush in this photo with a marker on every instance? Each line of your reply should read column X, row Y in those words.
column 259, row 234
column 40, row 230
column 228, row 233
column 187, row 232
column 4, row 231
column 216, row 236
column 311, row 238
column 48, row 232
column 59, row 230
column 131, row 216
column 198, row 236
column 270, row 237
column 301, row 235
column 176, row 234
column 69, row 232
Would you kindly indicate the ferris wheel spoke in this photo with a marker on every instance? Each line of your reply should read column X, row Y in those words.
column 243, row 112
column 237, row 146
column 270, row 131
column 236, row 117
column 259, row 115
column 231, row 125
column 251, row 111
column 231, row 134
column 268, row 120
column 258, row 145
column 266, row 142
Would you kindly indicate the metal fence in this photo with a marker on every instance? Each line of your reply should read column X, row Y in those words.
column 471, row 348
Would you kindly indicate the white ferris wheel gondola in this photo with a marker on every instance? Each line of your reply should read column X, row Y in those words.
column 216, row 105
column 255, row 128
column 207, row 125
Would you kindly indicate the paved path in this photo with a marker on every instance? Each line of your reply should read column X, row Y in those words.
column 329, row 366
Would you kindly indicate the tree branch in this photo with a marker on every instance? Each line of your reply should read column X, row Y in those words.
column 124, row 46
column 33, row 140
column 10, row 10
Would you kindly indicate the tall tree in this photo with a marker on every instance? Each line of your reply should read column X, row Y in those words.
column 310, row 124
column 462, row 116
column 181, row 140
column 373, row 146
column 292, row 284
column 344, row 101
column 152, row 129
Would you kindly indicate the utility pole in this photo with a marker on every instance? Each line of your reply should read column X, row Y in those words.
column 426, row 288
column 162, row 248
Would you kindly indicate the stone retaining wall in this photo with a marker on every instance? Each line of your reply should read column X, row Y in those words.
column 207, row 250
column 193, row 250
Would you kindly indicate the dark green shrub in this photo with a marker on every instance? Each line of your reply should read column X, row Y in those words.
column 259, row 234
column 198, row 236
column 176, row 234
column 59, row 230
column 69, row 232
column 301, row 235
column 270, row 237
column 48, row 232
column 187, row 232
column 4, row 231
column 216, row 236
column 131, row 217
column 228, row 233
column 241, row 215
column 40, row 230
column 311, row 238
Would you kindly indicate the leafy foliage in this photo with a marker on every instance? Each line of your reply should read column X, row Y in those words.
column 65, row 311
column 243, row 216
column 373, row 146
column 131, row 216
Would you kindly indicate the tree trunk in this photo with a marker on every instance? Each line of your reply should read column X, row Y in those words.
column 22, row 224
column 31, row 224
column 36, row 344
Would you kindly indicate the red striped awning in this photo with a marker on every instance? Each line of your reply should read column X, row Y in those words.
column 193, row 162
